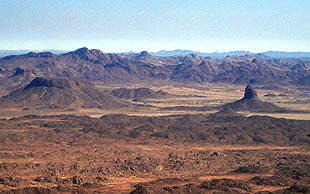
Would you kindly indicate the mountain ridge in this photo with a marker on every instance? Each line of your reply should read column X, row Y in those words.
column 107, row 68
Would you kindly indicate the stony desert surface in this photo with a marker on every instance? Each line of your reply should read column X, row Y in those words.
column 217, row 153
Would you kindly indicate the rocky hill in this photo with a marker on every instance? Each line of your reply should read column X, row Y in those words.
column 60, row 93
column 94, row 65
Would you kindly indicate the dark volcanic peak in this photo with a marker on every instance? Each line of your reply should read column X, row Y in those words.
column 250, row 93
column 93, row 55
column 143, row 55
column 56, row 82
column 250, row 102
column 81, row 51
column 60, row 93
column 84, row 51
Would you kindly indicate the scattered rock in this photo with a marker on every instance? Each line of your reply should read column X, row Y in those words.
column 215, row 154
column 270, row 95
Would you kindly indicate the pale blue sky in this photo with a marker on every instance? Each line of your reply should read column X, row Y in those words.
column 125, row 25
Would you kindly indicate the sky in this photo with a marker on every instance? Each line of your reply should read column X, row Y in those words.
column 153, row 25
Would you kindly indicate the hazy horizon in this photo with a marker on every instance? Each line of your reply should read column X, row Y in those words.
column 137, row 25
column 156, row 51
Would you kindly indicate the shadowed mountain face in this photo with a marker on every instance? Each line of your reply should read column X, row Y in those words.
column 60, row 93
column 250, row 102
column 95, row 65
column 60, row 83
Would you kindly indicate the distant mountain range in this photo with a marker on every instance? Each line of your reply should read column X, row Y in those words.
column 166, row 53
column 4, row 53
column 107, row 68
column 272, row 54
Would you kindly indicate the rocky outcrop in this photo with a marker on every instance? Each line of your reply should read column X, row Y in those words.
column 250, row 93
column 251, row 102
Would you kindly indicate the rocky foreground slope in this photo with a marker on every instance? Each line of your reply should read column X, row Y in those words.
column 224, row 153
